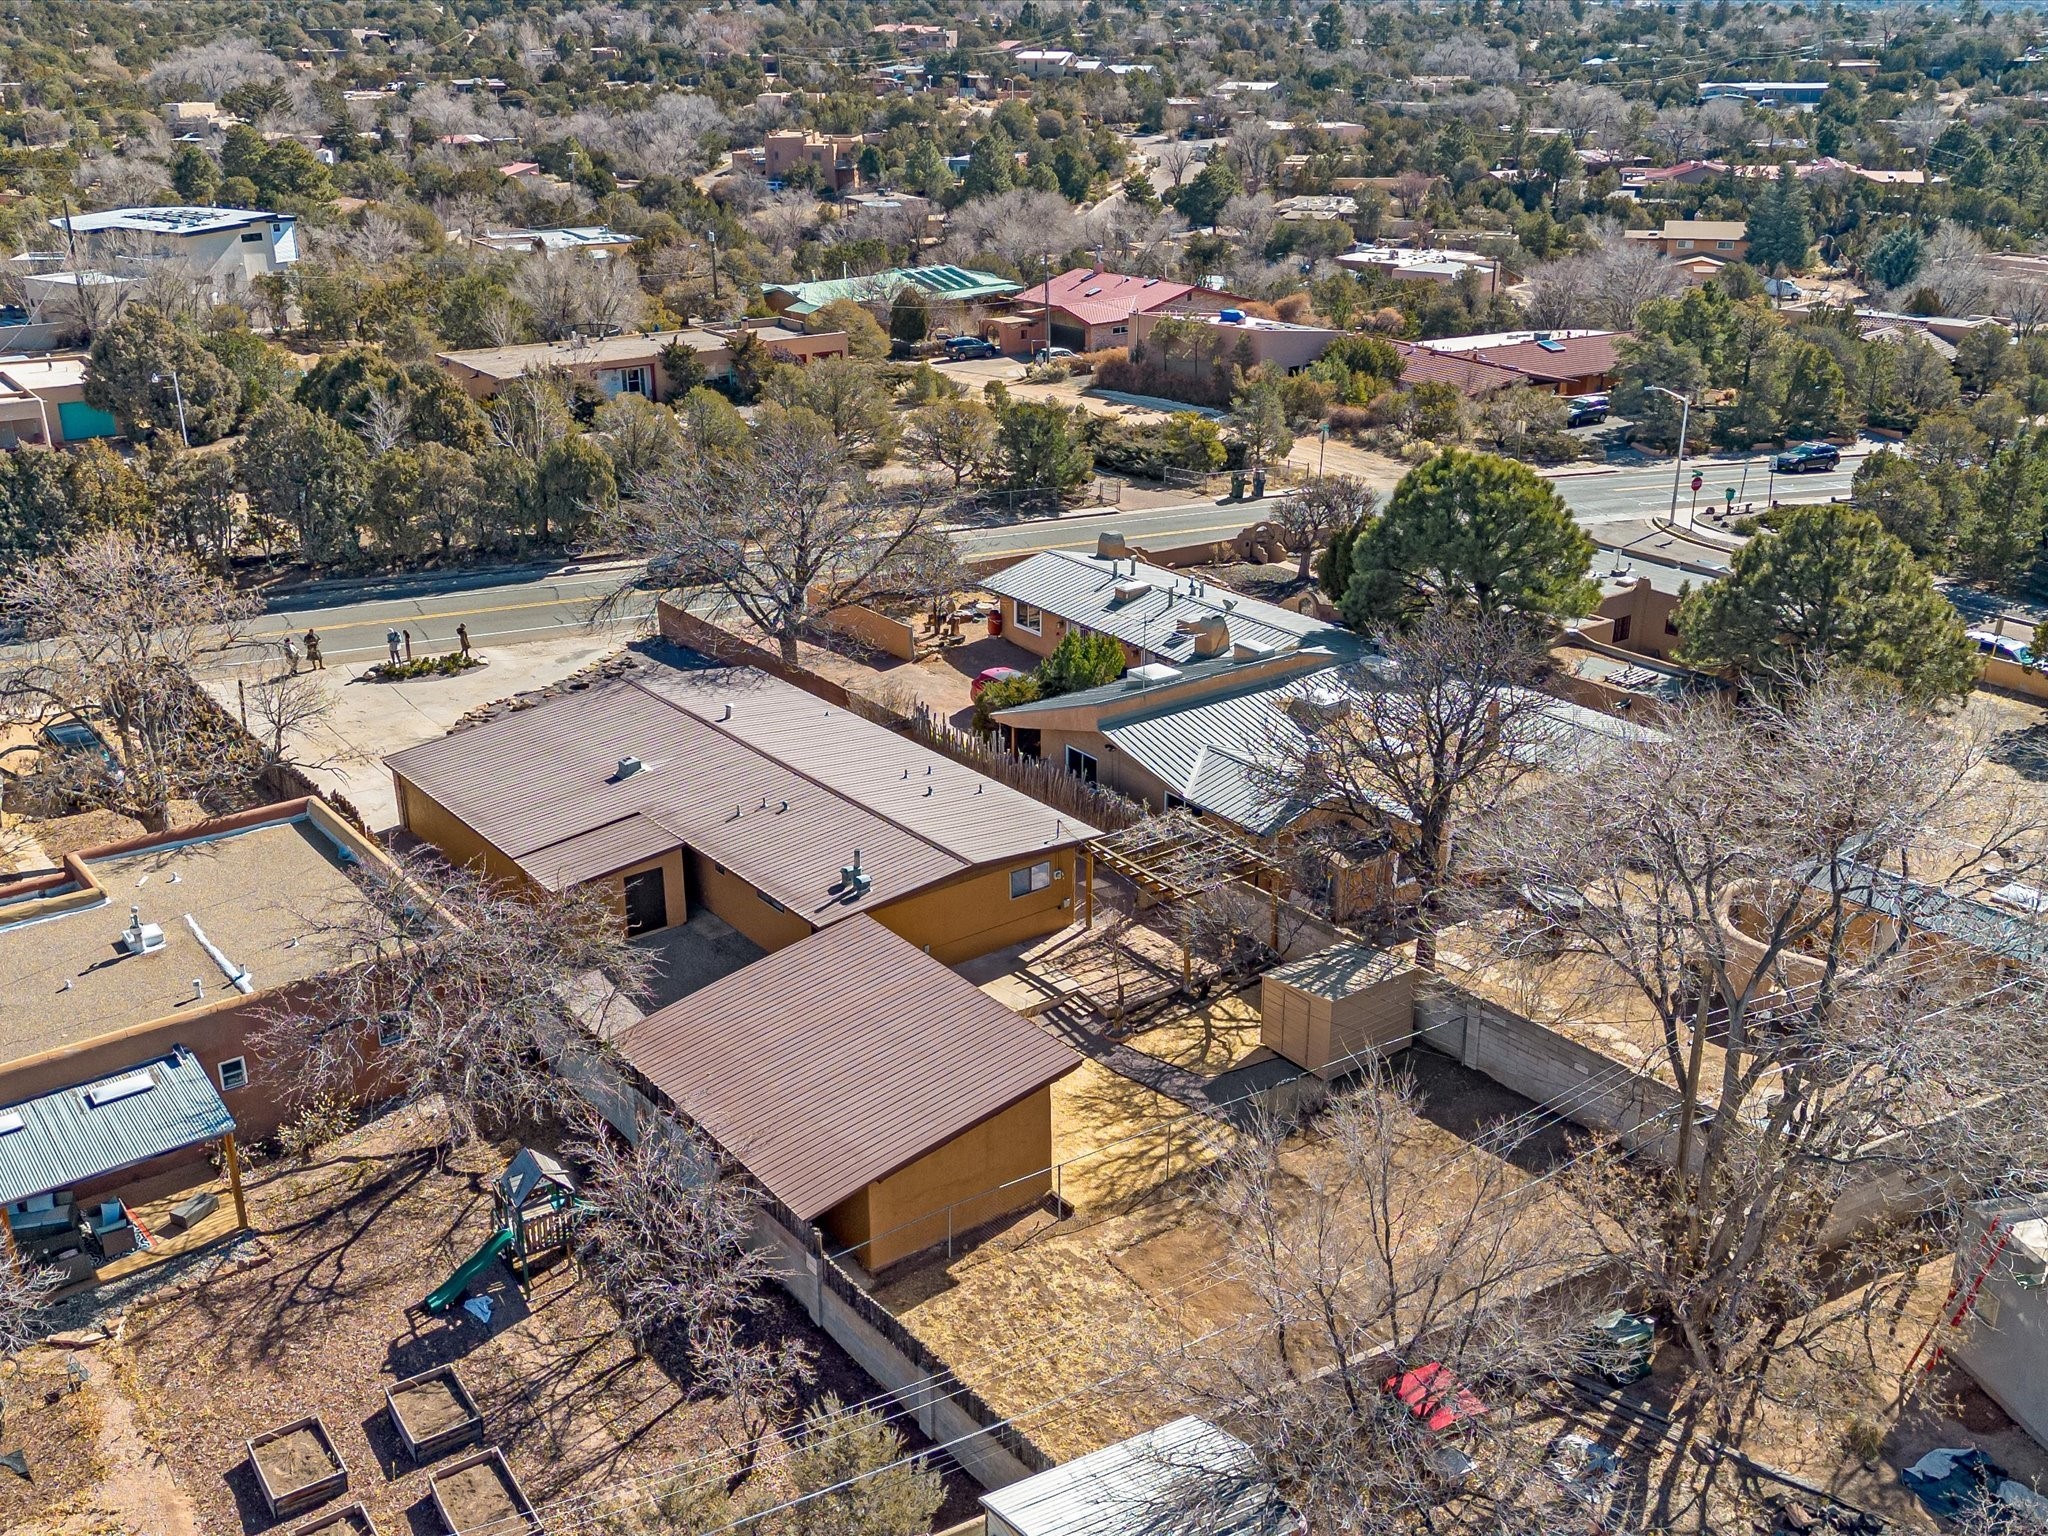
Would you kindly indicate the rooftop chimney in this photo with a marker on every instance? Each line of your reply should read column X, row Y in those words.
column 628, row 766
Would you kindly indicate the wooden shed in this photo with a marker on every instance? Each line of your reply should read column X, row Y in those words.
column 1326, row 1011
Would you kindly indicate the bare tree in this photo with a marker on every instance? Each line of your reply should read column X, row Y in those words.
column 1587, row 111
column 786, row 529
column 282, row 709
column 1178, row 159
column 570, row 294
column 1604, row 287
column 114, row 627
column 2023, row 302
column 1756, row 877
column 1383, row 1297
column 1429, row 735
column 669, row 1242
column 1253, row 151
column 1336, row 501
column 441, row 982
column 1679, row 131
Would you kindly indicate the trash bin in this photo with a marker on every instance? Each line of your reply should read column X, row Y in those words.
column 1237, row 485
column 1259, row 485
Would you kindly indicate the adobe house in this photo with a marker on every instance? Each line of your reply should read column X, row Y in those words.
column 180, row 941
column 629, row 364
column 866, row 1087
column 727, row 789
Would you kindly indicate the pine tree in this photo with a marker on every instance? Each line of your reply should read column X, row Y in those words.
column 1779, row 233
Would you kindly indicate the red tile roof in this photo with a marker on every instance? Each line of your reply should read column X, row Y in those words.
column 1573, row 357
column 1103, row 298
column 838, row 1060
column 1458, row 369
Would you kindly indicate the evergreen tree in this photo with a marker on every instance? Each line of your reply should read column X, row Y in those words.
column 1082, row 659
column 991, row 165
column 1895, row 259
column 1828, row 587
column 1779, row 232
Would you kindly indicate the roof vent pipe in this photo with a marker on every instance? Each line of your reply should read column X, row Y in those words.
column 727, row 715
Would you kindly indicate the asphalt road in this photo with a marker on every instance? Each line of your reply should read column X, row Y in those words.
column 506, row 606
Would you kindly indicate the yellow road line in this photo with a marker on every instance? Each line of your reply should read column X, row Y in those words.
column 399, row 621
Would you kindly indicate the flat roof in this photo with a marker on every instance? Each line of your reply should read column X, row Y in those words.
column 832, row 1063
column 106, row 1124
column 256, row 893
column 169, row 221
column 517, row 361
column 769, row 781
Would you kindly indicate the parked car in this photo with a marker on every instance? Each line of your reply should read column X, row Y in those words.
column 967, row 348
column 1803, row 457
column 73, row 736
column 1053, row 354
column 1990, row 642
column 1586, row 410
column 989, row 675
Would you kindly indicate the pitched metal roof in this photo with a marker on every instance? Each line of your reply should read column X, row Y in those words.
column 1185, row 1478
column 771, row 782
column 1084, row 590
column 939, row 282
column 99, row 1127
column 1095, row 297
column 838, row 1060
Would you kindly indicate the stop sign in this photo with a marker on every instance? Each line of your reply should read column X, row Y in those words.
column 1697, row 482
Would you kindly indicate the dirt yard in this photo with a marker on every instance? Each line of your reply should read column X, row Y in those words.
column 323, row 1327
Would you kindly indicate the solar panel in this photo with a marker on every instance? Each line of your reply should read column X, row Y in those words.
column 1550, row 346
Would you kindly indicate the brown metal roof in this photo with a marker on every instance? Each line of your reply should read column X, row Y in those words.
column 838, row 1060
column 774, row 784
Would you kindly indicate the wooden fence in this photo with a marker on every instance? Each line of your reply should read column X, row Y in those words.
column 1043, row 781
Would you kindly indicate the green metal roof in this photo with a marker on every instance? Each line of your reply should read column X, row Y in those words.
column 109, row 1123
column 947, row 282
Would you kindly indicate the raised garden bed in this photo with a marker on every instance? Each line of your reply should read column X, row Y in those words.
column 433, row 1412
column 349, row 1520
column 479, row 1493
column 297, row 1466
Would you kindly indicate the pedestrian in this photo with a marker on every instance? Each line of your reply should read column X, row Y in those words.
column 462, row 635
column 291, row 654
column 408, row 645
column 313, row 658
column 391, row 644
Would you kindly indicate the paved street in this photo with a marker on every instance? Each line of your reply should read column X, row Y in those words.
column 1627, row 494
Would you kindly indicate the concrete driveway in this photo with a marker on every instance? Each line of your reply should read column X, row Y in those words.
column 366, row 721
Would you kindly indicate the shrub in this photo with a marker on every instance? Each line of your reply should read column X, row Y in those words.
column 1002, row 693
column 1350, row 420
column 424, row 666
column 1093, row 362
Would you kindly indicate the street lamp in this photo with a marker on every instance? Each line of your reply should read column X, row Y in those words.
column 1684, row 418
column 178, row 393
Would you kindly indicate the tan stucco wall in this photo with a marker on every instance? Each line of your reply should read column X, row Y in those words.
column 423, row 816
column 975, row 914
column 727, row 896
column 957, row 1183
column 1113, row 770
column 1037, row 645
column 675, row 888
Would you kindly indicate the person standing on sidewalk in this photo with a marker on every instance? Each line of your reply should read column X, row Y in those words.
column 462, row 635
column 313, row 652
column 391, row 644
column 291, row 654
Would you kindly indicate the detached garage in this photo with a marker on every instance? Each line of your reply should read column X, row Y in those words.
column 867, row 1087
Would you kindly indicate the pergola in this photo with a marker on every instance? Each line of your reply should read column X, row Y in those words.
column 1178, row 855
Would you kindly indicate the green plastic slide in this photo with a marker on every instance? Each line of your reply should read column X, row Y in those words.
column 449, row 1291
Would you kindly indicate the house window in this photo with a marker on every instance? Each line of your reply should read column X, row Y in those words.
column 1080, row 764
column 773, row 904
column 1724, row 245
column 1685, row 245
column 1034, row 877
column 1622, row 626
column 1031, row 620
column 234, row 1073
column 1671, row 623
column 253, row 235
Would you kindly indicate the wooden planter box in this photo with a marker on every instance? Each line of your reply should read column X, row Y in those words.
column 349, row 1520
column 297, row 1466
column 433, row 1412
column 480, row 1494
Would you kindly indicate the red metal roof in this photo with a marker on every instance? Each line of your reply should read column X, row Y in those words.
column 1569, row 357
column 776, row 785
column 1103, row 298
column 1458, row 369
column 838, row 1060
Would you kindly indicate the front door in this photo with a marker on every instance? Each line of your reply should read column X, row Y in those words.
column 646, row 901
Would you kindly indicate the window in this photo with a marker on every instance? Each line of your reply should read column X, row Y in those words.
column 234, row 1073
column 1724, row 245
column 390, row 1031
column 1621, row 627
column 1685, row 245
column 252, row 236
column 1031, row 620
column 1080, row 764
column 1035, row 877
column 773, row 904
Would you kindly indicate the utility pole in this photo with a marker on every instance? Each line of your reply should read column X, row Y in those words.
column 178, row 393
column 1684, row 419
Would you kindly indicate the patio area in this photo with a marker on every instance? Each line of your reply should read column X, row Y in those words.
column 149, row 1205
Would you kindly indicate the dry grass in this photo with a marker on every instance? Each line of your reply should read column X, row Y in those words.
column 56, row 1424
column 359, row 1237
